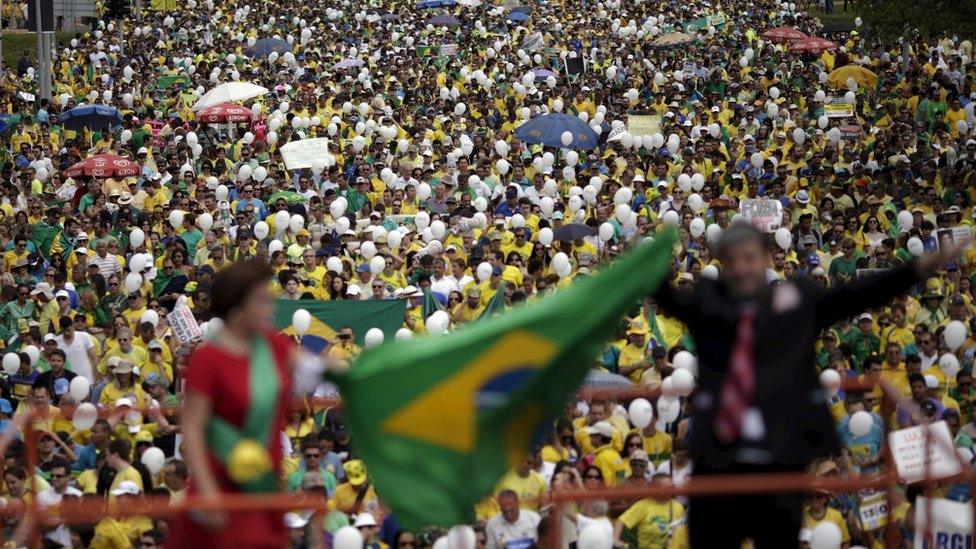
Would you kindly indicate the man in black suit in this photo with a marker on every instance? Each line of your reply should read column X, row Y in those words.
column 759, row 406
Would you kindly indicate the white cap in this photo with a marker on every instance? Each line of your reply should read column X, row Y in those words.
column 601, row 428
column 365, row 519
column 123, row 402
column 126, row 488
column 49, row 337
column 142, row 150
column 62, row 293
column 352, row 290
column 931, row 382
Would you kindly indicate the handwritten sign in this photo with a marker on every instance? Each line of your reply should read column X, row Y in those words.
column 643, row 124
column 951, row 523
column 911, row 459
column 533, row 42
column 838, row 107
column 763, row 213
column 184, row 326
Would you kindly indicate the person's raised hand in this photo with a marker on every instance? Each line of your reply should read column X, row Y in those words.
column 926, row 265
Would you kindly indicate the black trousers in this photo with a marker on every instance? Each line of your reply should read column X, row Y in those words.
column 772, row 521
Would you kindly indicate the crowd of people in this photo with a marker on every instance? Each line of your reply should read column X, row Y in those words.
column 855, row 155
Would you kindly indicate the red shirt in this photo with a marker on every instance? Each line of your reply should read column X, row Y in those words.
column 222, row 377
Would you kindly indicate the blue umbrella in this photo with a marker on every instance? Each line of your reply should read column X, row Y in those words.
column 445, row 21
column 548, row 130
column 430, row 4
column 521, row 9
column 518, row 16
column 265, row 46
column 92, row 117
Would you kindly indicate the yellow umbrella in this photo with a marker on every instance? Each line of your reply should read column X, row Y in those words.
column 864, row 77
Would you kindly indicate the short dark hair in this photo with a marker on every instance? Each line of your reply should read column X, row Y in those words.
column 736, row 235
column 120, row 447
column 231, row 285
column 913, row 378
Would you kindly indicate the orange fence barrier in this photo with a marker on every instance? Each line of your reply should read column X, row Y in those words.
column 716, row 485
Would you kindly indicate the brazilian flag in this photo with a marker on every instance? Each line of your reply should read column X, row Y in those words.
column 438, row 420
column 328, row 317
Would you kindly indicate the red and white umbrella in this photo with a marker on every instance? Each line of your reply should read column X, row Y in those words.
column 812, row 44
column 783, row 34
column 225, row 112
column 104, row 165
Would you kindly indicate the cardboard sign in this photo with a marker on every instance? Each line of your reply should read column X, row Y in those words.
column 872, row 505
column 643, row 124
column 763, row 213
column 911, row 459
column 959, row 233
column 301, row 154
column 448, row 50
column 850, row 132
column 951, row 526
column 616, row 133
column 838, row 107
column 184, row 326
column 533, row 42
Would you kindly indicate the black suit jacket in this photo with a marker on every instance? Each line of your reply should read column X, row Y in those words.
column 787, row 391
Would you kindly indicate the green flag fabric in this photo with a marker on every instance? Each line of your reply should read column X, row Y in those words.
column 328, row 317
column 495, row 305
column 431, row 305
column 438, row 420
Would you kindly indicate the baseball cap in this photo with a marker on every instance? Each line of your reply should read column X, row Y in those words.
column 362, row 268
column 474, row 292
column 126, row 488
column 353, row 290
column 62, row 293
column 123, row 402
column 365, row 519
column 155, row 345
column 865, row 316
column 601, row 428
column 49, row 337
column 355, row 471
column 496, row 271
column 813, row 259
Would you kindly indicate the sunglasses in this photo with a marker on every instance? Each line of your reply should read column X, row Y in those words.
column 312, row 455
column 593, row 477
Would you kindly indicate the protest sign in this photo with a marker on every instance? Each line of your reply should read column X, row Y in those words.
column 912, row 461
column 616, row 133
column 184, row 326
column 951, row 526
column 301, row 154
column 763, row 213
column 838, row 107
column 643, row 124
column 872, row 505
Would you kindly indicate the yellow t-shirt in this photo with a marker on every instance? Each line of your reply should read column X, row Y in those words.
column 345, row 497
column 130, row 473
column 530, row 488
column 653, row 520
column 832, row 515
column 611, row 466
column 657, row 446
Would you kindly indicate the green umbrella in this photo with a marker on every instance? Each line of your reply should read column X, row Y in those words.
column 289, row 196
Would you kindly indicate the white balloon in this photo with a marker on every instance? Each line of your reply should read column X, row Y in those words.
column 783, row 238
column 710, row 272
column 949, row 365
column 696, row 203
column 484, row 271
column 713, row 232
column 566, row 138
column 176, row 218
column 373, row 337
column 830, row 381
column 347, row 537
column 915, row 246
column 132, row 283
column 683, row 360
column 438, row 322
column 668, row 408
column 905, row 220
column 799, row 136
column 682, row 381
column 79, row 388
column 438, row 229
column 205, row 221
column 11, row 363
column 860, row 423
column 301, row 321
column 261, row 230
column 275, row 246
column 137, row 263
column 84, row 417
column 334, row 264
column 461, row 537
column 154, row 460
column 670, row 218
column 756, row 159
column 641, row 413
column 954, row 334
column 606, row 232
column 560, row 262
column 826, row 535
column 151, row 317
column 403, row 334
column 697, row 227
column 545, row 236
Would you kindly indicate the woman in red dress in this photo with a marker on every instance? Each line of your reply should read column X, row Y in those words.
column 235, row 406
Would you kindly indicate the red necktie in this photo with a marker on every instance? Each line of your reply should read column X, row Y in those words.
column 736, row 395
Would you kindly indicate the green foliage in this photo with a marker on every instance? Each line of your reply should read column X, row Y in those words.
column 927, row 19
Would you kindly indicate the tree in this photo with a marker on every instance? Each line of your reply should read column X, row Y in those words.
column 926, row 19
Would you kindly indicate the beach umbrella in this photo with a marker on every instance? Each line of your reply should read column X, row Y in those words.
column 229, row 93
column 518, row 16
column 812, row 44
column 225, row 112
column 864, row 77
column 104, row 165
column 783, row 34
column 548, row 130
column 91, row 117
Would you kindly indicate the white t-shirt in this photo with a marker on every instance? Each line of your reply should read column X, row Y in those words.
column 521, row 534
column 76, row 353
column 583, row 522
